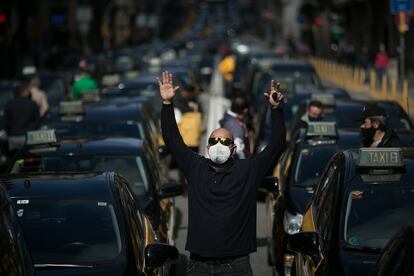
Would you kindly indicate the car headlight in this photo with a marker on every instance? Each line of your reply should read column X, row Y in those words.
column 292, row 223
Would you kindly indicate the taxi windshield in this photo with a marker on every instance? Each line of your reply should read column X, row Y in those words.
column 70, row 231
column 107, row 129
column 376, row 212
column 130, row 167
column 310, row 165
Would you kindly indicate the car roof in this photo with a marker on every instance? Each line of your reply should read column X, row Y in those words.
column 82, row 146
column 346, row 137
column 115, row 112
column 67, row 185
column 147, row 79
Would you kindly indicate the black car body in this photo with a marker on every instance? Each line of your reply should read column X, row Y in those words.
column 132, row 158
column 298, row 172
column 397, row 258
column 85, row 224
column 363, row 198
column 102, row 120
column 14, row 256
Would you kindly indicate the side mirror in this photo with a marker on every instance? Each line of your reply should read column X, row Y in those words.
column 269, row 184
column 306, row 243
column 159, row 254
column 171, row 189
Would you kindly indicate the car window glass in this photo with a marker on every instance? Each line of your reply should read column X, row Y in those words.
column 375, row 213
column 131, row 167
column 310, row 164
column 70, row 231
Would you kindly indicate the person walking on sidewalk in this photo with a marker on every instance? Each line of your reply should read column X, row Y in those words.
column 221, row 189
column 233, row 121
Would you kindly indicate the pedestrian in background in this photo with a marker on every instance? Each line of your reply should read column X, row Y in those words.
column 381, row 62
column 21, row 114
column 38, row 95
column 226, row 69
column 83, row 82
column 221, row 190
column 188, row 113
column 314, row 113
column 234, row 121
column 375, row 132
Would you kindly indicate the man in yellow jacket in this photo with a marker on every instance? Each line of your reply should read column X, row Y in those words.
column 226, row 69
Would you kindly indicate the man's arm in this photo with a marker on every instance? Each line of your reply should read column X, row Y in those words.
column 184, row 156
column 276, row 146
column 173, row 140
column 277, row 143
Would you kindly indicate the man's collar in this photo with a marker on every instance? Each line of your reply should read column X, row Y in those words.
column 221, row 167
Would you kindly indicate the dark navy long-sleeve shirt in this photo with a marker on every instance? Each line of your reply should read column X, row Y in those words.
column 222, row 203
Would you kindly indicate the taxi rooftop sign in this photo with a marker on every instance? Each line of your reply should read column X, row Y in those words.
column 324, row 98
column 71, row 108
column 380, row 158
column 321, row 129
column 41, row 137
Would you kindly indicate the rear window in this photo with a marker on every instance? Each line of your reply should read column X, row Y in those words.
column 108, row 129
column 70, row 231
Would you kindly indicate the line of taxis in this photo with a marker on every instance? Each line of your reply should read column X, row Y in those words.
column 336, row 206
column 90, row 194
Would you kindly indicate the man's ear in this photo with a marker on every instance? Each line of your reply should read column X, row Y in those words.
column 376, row 124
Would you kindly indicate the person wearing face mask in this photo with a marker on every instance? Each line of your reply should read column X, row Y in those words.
column 314, row 113
column 221, row 189
column 374, row 130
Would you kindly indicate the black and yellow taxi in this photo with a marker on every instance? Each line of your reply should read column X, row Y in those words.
column 363, row 198
column 132, row 158
column 86, row 224
column 14, row 256
column 77, row 119
column 298, row 172
column 397, row 258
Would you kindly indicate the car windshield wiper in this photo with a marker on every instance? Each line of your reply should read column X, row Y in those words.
column 59, row 266
column 364, row 248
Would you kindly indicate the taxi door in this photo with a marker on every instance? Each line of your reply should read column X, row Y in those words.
column 321, row 218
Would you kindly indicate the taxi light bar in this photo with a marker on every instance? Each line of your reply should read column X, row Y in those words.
column 90, row 96
column 41, row 137
column 71, row 108
column 321, row 129
column 325, row 98
column 380, row 158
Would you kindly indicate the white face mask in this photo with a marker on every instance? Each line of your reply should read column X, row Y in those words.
column 219, row 153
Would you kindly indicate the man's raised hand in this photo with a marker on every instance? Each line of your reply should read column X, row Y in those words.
column 274, row 96
column 167, row 90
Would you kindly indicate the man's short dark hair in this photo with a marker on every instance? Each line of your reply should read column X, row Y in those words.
column 239, row 104
column 315, row 103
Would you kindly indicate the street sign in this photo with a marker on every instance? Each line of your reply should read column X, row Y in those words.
column 405, row 6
